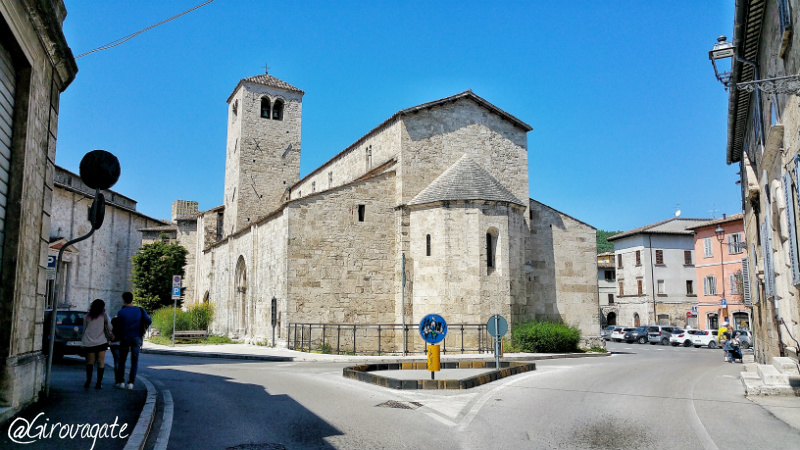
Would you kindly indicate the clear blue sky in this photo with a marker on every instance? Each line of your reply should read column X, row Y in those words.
column 628, row 120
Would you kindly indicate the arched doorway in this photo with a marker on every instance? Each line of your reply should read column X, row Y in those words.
column 611, row 318
column 240, row 283
column 636, row 320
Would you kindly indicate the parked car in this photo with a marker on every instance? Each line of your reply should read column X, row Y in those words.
column 659, row 334
column 682, row 337
column 638, row 334
column 606, row 333
column 69, row 330
column 619, row 333
column 703, row 338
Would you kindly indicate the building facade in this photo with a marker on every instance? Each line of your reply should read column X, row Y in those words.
column 607, row 287
column 98, row 267
column 719, row 249
column 440, row 189
column 763, row 140
column 656, row 274
column 36, row 65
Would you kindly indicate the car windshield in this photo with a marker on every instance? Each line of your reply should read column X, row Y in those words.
column 702, row 333
column 69, row 318
column 628, row 329
column 677, row 331
column 641, row 329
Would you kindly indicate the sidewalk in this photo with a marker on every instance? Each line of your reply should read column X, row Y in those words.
column 73, row 406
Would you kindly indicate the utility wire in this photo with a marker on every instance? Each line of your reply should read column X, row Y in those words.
column 131, row 36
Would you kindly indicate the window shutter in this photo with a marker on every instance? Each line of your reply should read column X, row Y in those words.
column 748, row 301
column 766, row 253
column 707, row 247
column 787, row 191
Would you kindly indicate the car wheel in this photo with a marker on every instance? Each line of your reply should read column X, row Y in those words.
column 712, row 344
column 642, row 340
column 687, row 343
column 665, row 341
column 744, row 345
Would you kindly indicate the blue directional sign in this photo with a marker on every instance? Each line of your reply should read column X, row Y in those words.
column 176, row 291
column 694, row 310
column 723, row 302
column 433, row 328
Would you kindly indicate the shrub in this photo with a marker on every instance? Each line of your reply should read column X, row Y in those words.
column 197, row 317
column 546, row 337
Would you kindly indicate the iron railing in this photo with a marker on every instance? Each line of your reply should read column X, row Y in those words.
column 378, row 339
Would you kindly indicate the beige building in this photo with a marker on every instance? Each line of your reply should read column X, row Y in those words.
column 443, row 185
column 98, row 267
column 763, row 140
column 36, row 65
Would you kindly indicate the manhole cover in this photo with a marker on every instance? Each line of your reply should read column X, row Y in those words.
column 399, row 405
column 262, row 446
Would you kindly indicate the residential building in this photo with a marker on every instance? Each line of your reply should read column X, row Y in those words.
column 719, row 249
column 607, row 287
column 36, row 66
column 656, row 274
column 763, row 140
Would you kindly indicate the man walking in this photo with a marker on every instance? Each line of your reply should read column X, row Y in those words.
column 133, row 321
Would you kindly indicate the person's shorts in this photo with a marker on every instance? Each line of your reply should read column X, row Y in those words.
column 95, row 348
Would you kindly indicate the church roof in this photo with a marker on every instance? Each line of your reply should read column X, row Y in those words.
column 266, row 79
column 472, row 96
column 465, row 180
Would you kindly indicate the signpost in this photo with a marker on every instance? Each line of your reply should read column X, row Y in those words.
column 176, row 294
column 723, row 303
column 274, row 318
column 433, row 329
column 497, row 327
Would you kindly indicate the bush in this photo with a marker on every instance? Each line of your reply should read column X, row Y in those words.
column 546, row 337
column 197, row 317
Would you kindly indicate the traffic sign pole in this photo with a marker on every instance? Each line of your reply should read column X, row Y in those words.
column 176, row 288
column 433, row 360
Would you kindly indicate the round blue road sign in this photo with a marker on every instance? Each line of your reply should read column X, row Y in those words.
column 433, row 328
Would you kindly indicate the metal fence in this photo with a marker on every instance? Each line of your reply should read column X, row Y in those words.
column 378, row 339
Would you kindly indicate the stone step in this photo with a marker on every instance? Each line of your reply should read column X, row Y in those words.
column 770, row 375
column 785, row 366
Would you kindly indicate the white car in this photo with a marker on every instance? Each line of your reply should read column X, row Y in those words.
column 618, row 335
column 705, row 338
column 682, row 337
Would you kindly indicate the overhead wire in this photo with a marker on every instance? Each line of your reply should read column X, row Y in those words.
column 124, row 39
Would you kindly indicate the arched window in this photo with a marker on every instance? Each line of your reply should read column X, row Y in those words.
column 265, row 107
column 428, row 245
column 277, row 110
column 635, row 319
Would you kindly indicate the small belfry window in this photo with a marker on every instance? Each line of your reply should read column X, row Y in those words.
column 277, row 110
column 361, row 212
column 491, row 249
column 265, row 107
column 428, row 245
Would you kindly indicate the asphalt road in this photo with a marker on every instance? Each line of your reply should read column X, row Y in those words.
column 642, row 397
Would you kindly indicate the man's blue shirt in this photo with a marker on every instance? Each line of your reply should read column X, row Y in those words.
column 129, row 317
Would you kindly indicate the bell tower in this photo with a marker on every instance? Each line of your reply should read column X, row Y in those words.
column 263, row 148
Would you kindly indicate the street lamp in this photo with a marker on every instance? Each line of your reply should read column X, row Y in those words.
column 720, row 232
column 723, row 50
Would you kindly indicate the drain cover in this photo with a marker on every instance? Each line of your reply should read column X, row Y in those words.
column 262, row 446
column 399, row 405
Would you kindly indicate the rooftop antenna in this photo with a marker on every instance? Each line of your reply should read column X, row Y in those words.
column 266, row 68
column 713, row 211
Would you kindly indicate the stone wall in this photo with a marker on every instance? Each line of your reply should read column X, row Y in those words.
column 562, row 266
column 340, row 269
column 31, row 31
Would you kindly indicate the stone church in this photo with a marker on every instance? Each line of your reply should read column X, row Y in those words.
column 442, row 186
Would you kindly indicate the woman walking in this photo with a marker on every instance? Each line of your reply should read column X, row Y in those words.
column 96, row 336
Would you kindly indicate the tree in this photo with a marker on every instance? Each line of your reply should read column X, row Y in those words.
column 153, row 268
column 602, row 243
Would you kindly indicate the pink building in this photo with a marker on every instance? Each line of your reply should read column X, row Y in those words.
column 719, row 249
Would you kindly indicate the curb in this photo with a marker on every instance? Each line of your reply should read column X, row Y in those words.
column 157, row 351
column 365, row 373
column 140, row 432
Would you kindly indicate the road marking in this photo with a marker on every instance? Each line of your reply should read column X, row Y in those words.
column 697, row 425
column 166, row 422
column 479, row 404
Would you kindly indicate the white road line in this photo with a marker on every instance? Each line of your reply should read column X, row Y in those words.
column 698, row 427
column 166, row 422
column 479, row 404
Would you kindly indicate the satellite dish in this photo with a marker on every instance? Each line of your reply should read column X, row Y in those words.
column 678, row 213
